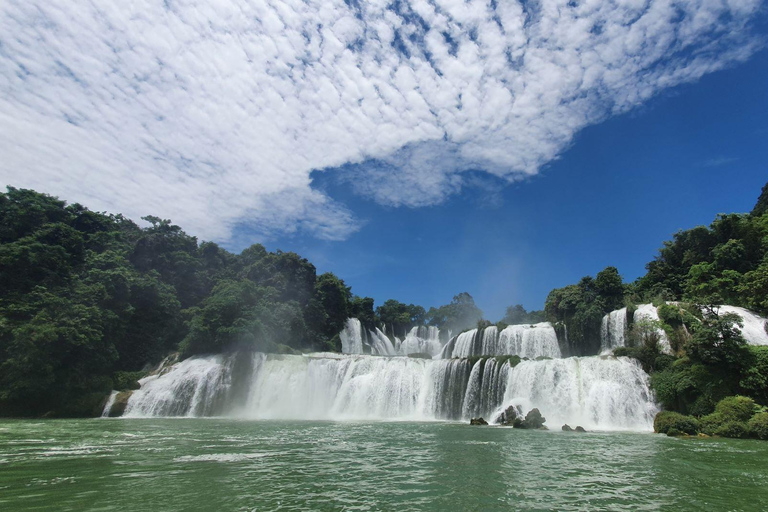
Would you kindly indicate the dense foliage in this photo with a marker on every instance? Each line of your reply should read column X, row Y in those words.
column 86, row 297
column 581, row 307
column 725, row 263
column 734, row 416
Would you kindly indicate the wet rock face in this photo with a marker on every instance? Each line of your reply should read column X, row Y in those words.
column 580, row 429
column 508, row 416
column 566, row 428
column 477, row 421
column 533, row 420
column 121, row 401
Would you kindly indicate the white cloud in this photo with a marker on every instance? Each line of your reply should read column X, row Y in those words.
column 214, row 113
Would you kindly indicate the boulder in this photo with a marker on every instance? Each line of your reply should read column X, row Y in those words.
column 477, row 421
column 120, row 403
column 579, row 429
column 533, row 420
column 567, row 428
column 508, row 416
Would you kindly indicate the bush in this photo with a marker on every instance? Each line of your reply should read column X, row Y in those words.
column 667, row 421
column 122, row 381
column 735, row 429
column 758, row 426
column 736, row 408
column 711, row 422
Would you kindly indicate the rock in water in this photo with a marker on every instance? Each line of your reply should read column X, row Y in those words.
column 508, row 416
column 477, row 421
column 579, row 429
column 121, row 401
column 567, row 428
column 533, row 419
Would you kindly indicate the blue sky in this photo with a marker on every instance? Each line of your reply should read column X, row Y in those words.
column 623, row 187
column 417, row 148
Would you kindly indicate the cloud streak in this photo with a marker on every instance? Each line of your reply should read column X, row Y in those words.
column 215, row 113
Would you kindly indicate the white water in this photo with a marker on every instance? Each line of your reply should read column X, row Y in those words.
column 462, row 346
column 109, row 404
column 754, row 325
column 531, row 341
column 421, row 339
column 352, row 337
column 649, row 312
column 320, row 386
column 380, row 344
column 194, row 387
column 598, row 393
column 613, row 330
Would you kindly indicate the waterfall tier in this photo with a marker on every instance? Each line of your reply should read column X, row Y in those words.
column 614, row 326
column 530, row 341
column 599, row 393
column 420, row 340
column 613, row 330
column 649, row 312
column 754, row 329
column 356, row 340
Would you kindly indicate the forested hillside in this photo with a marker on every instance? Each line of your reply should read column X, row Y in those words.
column 84, row 295
column 87, row 300
column 708, row 359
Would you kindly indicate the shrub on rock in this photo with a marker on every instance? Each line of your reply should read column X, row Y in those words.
column 667, row 420
column 758, row 426
column 736, row 408
column 533, row 420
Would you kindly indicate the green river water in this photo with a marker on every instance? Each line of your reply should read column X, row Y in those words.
column 215, row 464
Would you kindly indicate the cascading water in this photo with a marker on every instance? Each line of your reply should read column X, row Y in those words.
column 485, row 389
column 613, row 330
column 352, row 337
column 461, row 346
column 421, row 339
column 754, row 330
column 321, row 386
column 380, row 344
column 531, row 341
column 196, row 387
column 109, row 404
column 601, row 393
column 649, row 312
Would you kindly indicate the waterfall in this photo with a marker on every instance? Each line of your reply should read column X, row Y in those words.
column 598, row 393
column 613, row 330
column 754, row 329
column 601, row 393
column 380, row 344
column 109, row 404
column 421, row 339
column 195, row 387
column 464, row 346
column 531, row 341
column 485, row 389
column 320, row 386
column 649, row 312
column 352, row 337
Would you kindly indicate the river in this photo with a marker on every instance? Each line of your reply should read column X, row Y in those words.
column 242, row 465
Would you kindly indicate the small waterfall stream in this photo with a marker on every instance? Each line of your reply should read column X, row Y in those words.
column 613, row 330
